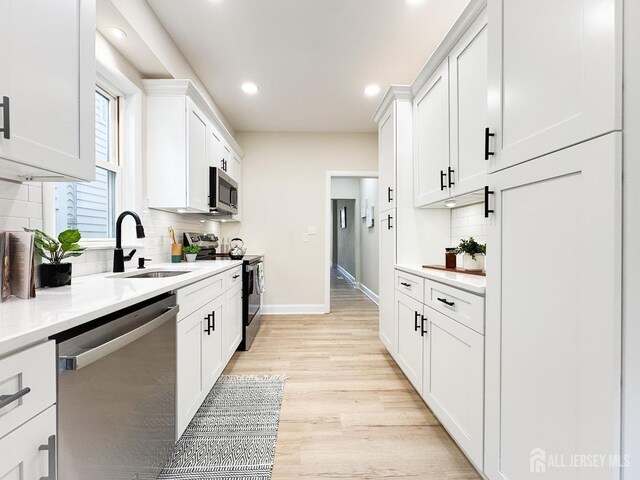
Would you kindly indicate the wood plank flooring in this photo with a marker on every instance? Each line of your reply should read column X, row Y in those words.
column 348, row 411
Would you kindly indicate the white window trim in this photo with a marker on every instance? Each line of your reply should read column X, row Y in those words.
column 48, row 191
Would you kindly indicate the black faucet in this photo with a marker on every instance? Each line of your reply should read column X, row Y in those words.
column 118, row 255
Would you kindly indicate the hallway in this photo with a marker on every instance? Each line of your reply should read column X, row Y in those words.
column 348, row 411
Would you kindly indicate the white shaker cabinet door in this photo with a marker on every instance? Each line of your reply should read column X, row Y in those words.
column 47, row 72
column 214, row 318
column 189, row 386
column 29, row 452
column 408, row 312
column 387, row 159
column 555, row 75
column 197, row 158
column 431, row 126
column 468, row 63
column 233, row 321
column 453, row 380
column 553, row 329
column 388, row 330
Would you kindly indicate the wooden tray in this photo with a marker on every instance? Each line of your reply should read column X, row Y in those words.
column 456, row 270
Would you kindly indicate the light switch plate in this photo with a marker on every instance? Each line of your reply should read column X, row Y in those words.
column 305, row 238
column 312, row 230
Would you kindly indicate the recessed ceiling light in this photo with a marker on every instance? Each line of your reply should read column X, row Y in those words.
column 450, row 203
column 372, row 90
column 117, row 33
column 249, row 88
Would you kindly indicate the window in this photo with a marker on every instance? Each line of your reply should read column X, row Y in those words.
column 91, row 206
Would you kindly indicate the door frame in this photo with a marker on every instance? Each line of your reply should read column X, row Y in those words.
column 329, row 226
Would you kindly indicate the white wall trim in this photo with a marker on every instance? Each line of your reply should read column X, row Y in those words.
column 293, row 309
column 328, row 229
column 350, row 278
column 364, row 289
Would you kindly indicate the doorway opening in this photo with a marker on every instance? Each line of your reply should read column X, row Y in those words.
column 352, row 242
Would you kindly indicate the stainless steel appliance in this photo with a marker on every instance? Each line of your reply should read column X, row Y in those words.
column 251, row 299
column 207, row 242
column 223, row 193
column 116, row 394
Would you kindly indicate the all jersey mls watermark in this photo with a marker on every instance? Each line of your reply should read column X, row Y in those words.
column 541, row 462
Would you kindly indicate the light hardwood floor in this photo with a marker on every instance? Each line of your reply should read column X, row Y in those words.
column 348, row 411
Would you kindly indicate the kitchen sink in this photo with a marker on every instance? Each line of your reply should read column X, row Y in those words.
column 152, row 274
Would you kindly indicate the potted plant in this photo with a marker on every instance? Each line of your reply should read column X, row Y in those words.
column 56, row 273
column 190, row 252
column 474, row 254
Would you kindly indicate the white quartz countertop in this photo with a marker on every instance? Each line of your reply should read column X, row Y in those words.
column 471, row 283
column 54, row 310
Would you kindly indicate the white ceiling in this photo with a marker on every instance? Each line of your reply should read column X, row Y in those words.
column 310, row 58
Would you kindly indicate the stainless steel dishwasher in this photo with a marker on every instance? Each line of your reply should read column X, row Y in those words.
column 116, row 394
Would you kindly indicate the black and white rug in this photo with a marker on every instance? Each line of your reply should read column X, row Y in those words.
column 233, row 435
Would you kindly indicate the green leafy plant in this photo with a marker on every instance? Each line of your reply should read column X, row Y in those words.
column 56, row 250
column 191, row 249
column 471, row 247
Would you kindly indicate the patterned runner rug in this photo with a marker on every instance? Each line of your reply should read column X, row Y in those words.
column 233, row 435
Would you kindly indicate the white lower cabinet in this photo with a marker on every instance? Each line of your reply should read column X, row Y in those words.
column 233, row 326
column 554, row 328
column 209, row 330
column 28, row 453
column 408, row 312
column 442, row 355
column 453, row 380
column 387, row 328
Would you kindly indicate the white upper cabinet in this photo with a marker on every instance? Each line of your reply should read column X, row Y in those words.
column 235, row 167
column 47, row 84
column 197, row 158
column 431, row 114
column 555, row 75
column 468, row 86
column 387, row 160
column 450, row 114
column 183, row 141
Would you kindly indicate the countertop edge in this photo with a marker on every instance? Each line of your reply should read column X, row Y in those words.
column 11, row 344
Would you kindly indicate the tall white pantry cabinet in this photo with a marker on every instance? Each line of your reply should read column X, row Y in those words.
column 554, row 145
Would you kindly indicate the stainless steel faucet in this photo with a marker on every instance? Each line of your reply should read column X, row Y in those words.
column 118, row 255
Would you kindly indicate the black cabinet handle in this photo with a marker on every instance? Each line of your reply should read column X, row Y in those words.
column 423, row 330
column 487, row 135
column 6, row 118
column 389, row 218
column 450, row 175
column 213, row 321
column 51, row 448
column 9, row 399
column 442, row 175
column 389, row 192
column 405, row 284
column 445, row 301
column 487, row 210
column 415, row 323
column 235, row 276
column 208, row 319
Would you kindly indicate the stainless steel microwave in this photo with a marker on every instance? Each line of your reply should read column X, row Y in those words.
column 223, row 193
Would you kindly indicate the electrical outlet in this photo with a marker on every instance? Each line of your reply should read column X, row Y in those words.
column 305, row 238
column 312, row 230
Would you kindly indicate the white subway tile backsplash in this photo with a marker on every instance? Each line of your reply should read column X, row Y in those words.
column 468, row 221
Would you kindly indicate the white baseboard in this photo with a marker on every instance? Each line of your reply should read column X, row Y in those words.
column 375, row 298
column 346, row 275
column 293, row 309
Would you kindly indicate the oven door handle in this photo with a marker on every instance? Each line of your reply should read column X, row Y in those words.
column 76, row 362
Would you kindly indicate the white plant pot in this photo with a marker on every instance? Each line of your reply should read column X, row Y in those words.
column 191, row 257
column 472, row 265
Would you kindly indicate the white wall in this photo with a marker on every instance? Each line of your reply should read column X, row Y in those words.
column 21, row 205
column 284, row 182
column 369, row 245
